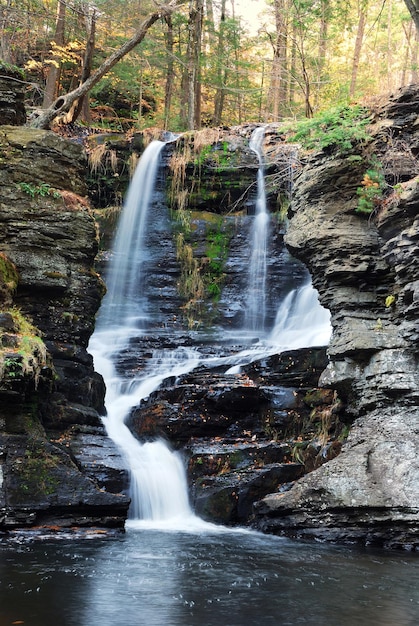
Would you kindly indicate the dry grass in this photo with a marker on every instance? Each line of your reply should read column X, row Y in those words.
column 101, row 158
column 73, row 201
column 191, row 285
column 205, row 137
column 177, row 164
column 132, row 163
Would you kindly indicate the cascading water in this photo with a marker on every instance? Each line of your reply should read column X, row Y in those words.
column 256, row 293
column 158, row 486
column 125, row 281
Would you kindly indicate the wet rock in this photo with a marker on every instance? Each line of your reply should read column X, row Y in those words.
column 193, row 410
column 49, row 294
column 228, row 498
column 44, row 486
column 12, row 96
column 301, row 368
column 366, row 274
column 97, row 456
column 369, row 494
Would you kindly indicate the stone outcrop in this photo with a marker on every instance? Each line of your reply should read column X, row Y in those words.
column 366, row 271
column 51, row 398
column 12, row 96
column 242, row 435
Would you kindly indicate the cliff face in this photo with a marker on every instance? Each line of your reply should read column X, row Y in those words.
column 57, row 467
column 366, row 271
column 54, row 457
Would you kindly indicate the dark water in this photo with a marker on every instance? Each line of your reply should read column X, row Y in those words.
column 158, row 578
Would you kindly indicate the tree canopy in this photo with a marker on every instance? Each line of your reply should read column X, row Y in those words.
column 187, row 63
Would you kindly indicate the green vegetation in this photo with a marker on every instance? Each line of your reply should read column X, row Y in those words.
column 339, row 129
column 216, row 252
column 201, row 277
column 27, row 352
column 370, row 193
column 215, row 156
column 44, row 189
column 8, row 68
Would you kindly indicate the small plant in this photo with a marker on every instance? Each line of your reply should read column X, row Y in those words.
column 338, row 128
column 370, row 192
column 29, row 354
column 44, row 189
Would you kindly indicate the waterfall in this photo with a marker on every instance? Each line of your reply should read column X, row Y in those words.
column 301, row 322
column 158, row 487
column 256, row 292
column 125, row 280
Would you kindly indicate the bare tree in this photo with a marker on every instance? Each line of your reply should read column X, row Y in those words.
column 278, row 85
column 53, row 78
column 413, row 6
column 358, row 47
column 63, row 103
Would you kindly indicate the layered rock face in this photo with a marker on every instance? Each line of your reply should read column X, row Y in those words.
column 12, row 95
column 366, row 271
column 55, row 459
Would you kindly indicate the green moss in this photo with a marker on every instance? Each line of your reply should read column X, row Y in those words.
column 35, row 471
column 8, row 273
column 13, row 70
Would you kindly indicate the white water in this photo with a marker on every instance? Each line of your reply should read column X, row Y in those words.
column 124, row 300
column 256, row 293
column 158, row 486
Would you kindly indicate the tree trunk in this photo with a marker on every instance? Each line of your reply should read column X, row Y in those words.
column 278, row 86
column 53, row 78
column 63, row 103
column 221, row 75
column 413, row 6
column 414, row 59
column 293, row 69
column 196, row 8
column 81, row 105
column 323, row 36
column 5, row 52
column 357, row 51
column 170, row 70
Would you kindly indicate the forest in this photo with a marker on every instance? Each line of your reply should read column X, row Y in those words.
column 187, row 64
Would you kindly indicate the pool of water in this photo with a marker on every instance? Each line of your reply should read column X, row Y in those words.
column 213, row 578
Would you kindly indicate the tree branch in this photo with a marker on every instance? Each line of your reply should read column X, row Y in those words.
column 63, row 103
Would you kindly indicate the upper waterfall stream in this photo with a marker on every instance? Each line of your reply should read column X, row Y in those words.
column 158, row 486
column 256, row 292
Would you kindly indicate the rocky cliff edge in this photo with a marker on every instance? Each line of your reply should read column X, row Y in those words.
column 366, row 271
column 55, row 460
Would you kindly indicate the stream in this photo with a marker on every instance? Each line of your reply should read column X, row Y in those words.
column 215, row 577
